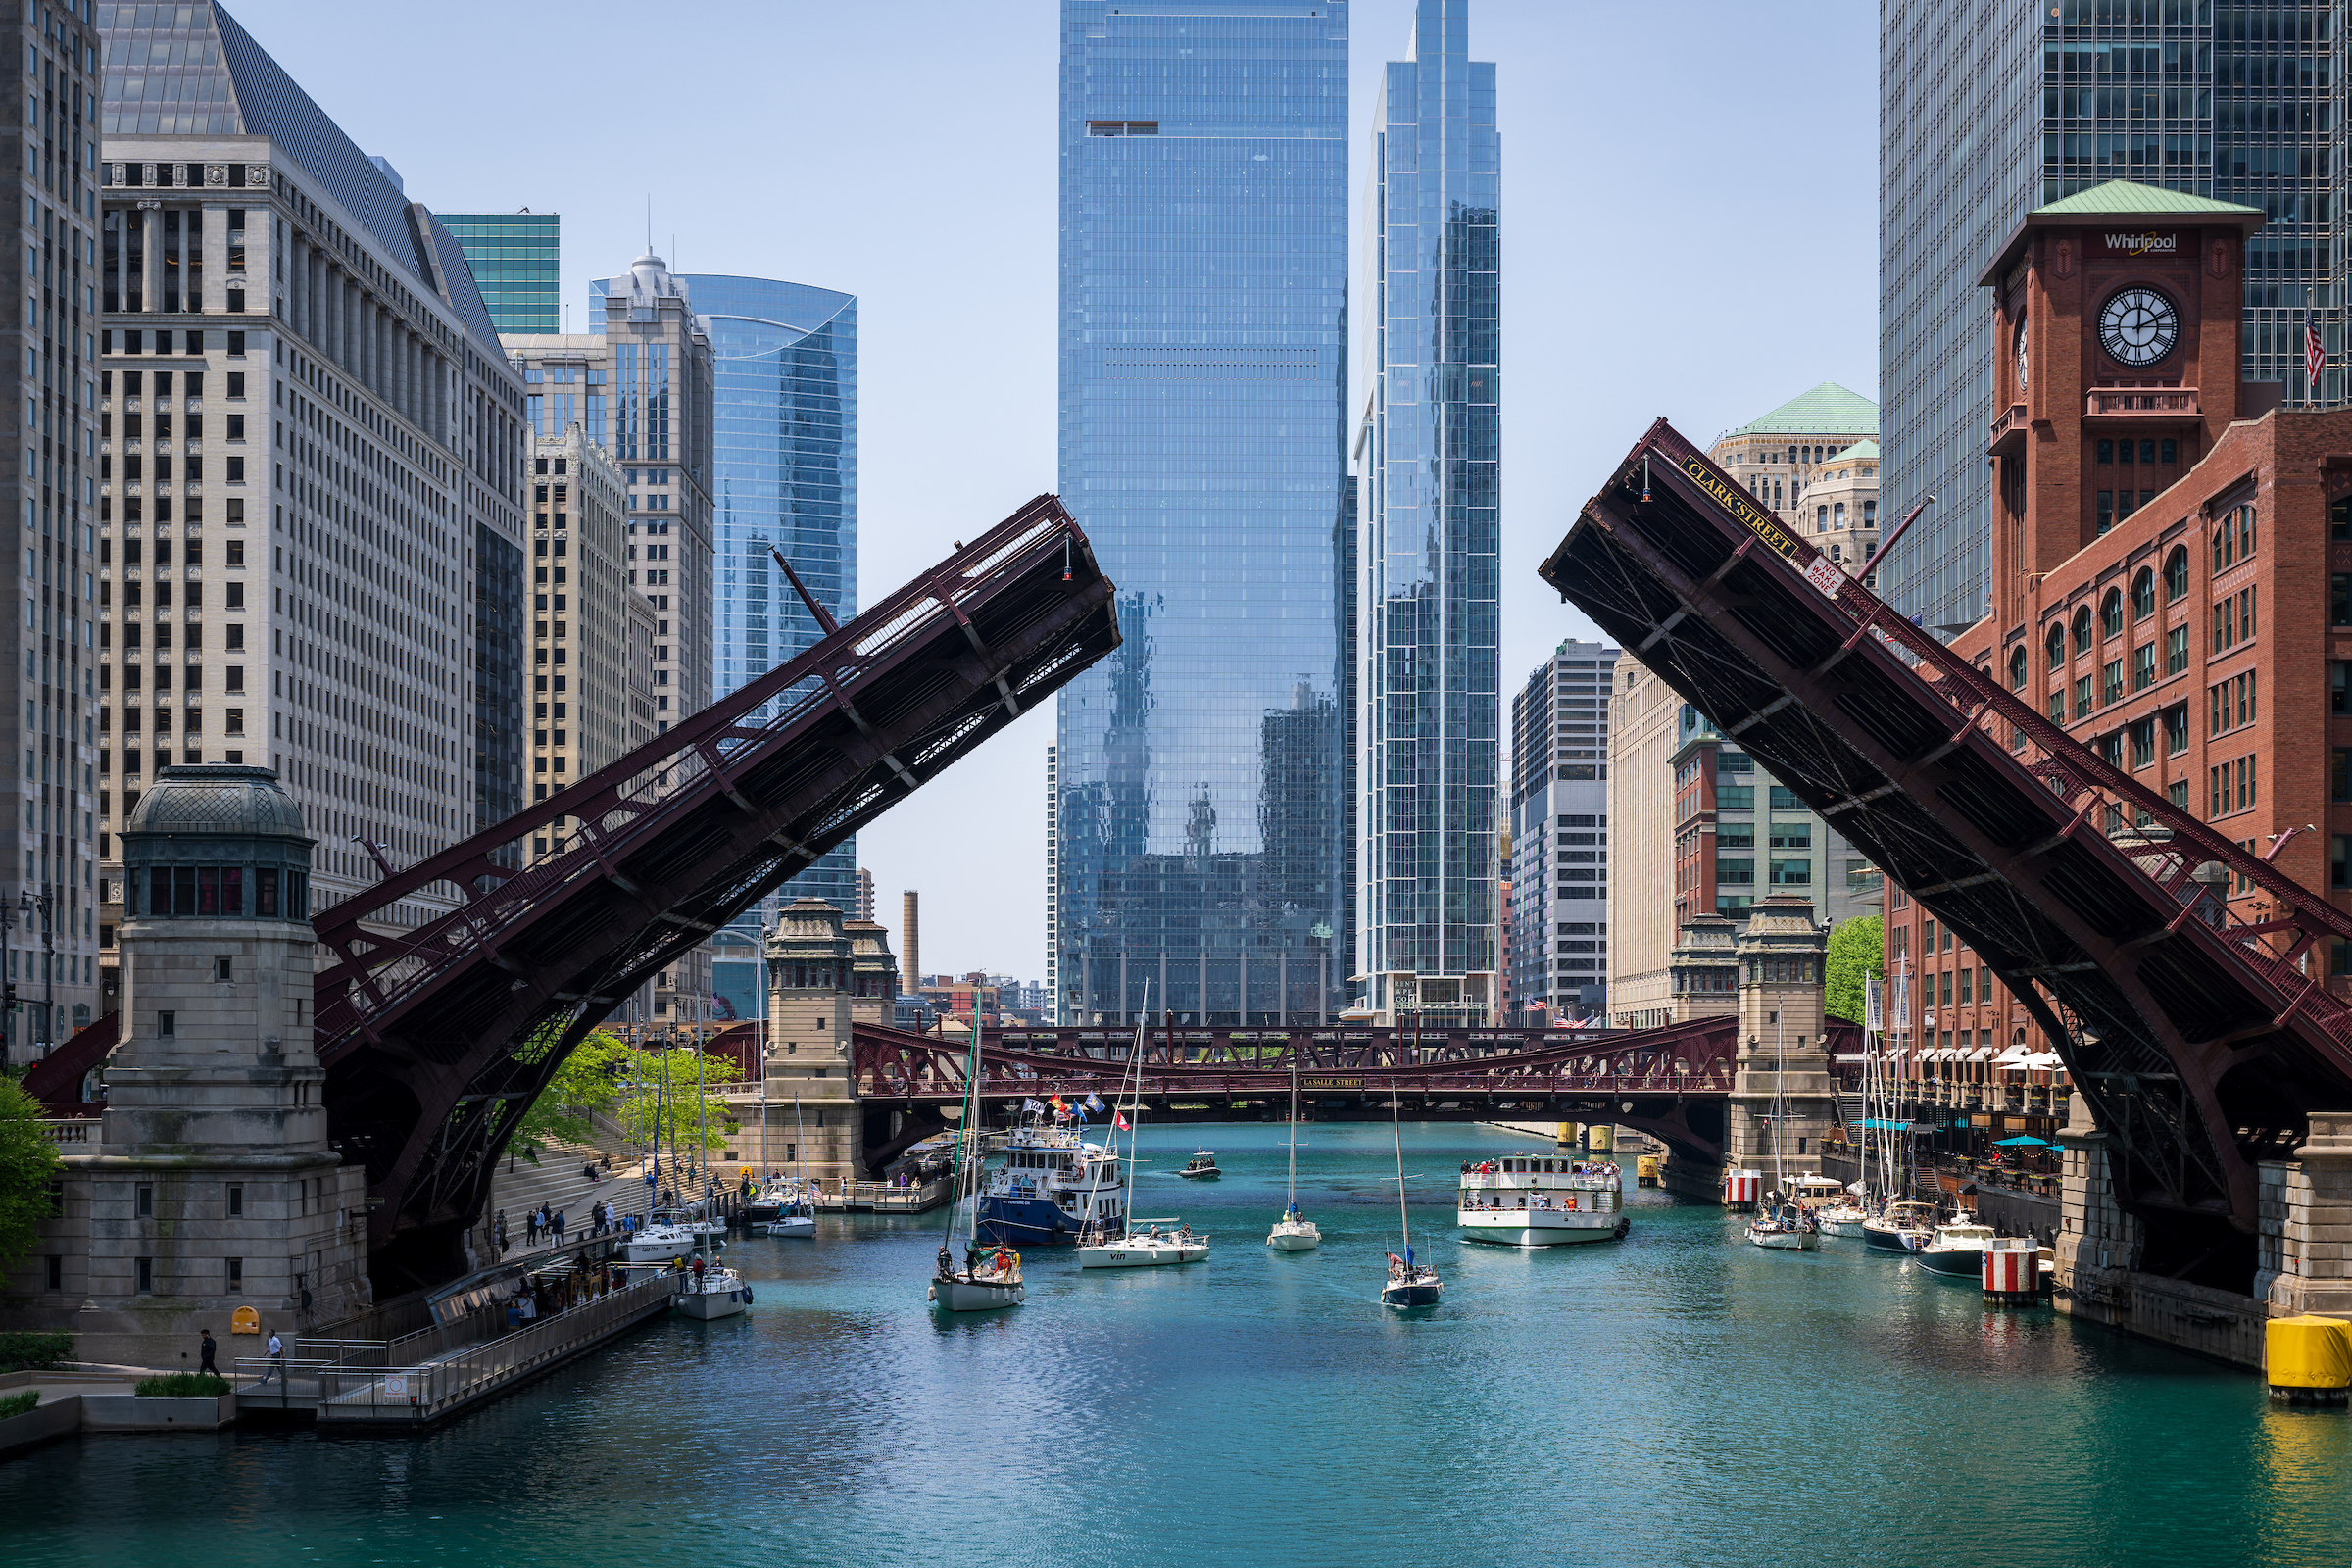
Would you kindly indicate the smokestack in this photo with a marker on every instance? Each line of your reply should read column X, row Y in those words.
column 910, row 943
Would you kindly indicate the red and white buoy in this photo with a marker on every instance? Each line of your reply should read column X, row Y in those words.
column 2013, row 1272
column 1741, row 1189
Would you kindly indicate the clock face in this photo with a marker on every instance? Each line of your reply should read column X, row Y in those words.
column 2022, row 378
column 2139, row 327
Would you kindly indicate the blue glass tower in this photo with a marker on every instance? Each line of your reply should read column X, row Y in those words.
column 1201, row 816
column 1429, row 498
column 784, row 474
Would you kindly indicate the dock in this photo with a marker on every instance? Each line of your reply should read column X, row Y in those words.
column 884, row 1198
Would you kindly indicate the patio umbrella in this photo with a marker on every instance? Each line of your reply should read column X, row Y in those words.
column 2022, row 1141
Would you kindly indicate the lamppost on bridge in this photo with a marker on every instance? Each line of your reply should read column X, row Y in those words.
column 29, row 903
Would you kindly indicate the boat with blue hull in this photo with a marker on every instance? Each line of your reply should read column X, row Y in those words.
column 1052, row 1186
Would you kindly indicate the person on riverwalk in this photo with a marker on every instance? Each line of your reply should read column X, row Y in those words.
column 530, row 1228
column 208, row 1349
column 277, row 1364
column 502, row 1233
column 558, row 1227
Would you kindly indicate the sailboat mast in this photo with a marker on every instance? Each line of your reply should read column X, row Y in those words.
column 1780, row 1070
column 1294, row 1199
column 1404, row 1221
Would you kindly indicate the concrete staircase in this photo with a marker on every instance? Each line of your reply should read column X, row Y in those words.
column 560, row 1182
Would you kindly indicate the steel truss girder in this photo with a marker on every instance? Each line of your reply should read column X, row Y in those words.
column 1858, row 745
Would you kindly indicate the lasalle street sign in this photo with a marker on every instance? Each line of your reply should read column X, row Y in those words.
column 2148, row 243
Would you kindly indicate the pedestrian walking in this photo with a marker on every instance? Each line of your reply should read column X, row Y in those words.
column 558, row 1227
column 208, row 1349
column 277, row 1364
column 530, row 1228
column 502, row 1233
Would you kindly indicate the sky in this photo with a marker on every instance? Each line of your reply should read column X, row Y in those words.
column 1689, row 228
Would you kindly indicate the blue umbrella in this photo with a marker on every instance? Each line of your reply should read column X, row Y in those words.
column 2023, row 1142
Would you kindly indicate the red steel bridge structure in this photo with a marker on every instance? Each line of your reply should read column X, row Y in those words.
column 1673, row 1082
column 2199, row 1025
column 436, row 1037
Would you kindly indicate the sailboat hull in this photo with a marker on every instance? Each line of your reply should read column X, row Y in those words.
column 708, row 1305
column 795, row 1225
column 1137, row 1252
column 1300, row 1238
column 969, row 1296
column 1418, row 1294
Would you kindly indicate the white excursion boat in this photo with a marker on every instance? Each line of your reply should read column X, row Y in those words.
column 1540, row 1202
column 719, row 1292
column 1145, row 1248
column 1293, row 1232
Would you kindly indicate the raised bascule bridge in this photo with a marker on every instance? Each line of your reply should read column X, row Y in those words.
column 2198, row 1025
column 1673, row 1082
column 436, row 1037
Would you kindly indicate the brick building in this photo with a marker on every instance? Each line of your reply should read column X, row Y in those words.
column 2171, row 580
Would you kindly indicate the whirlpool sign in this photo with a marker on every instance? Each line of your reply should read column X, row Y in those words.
column 2147, row 244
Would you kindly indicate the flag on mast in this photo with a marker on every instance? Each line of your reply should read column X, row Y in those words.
column 2315, row 352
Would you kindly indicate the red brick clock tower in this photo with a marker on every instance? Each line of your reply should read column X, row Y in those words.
column 2117, row 325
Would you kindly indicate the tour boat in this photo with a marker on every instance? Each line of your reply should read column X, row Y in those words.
column 990, row 1278
column 719, row 1292
column 1052, row 1186
column 1900, row 1227
column 1202, row 1167
column 1293, row 1232
column 1410, row 1283
column 1956, row 1248
column 1542, row 1202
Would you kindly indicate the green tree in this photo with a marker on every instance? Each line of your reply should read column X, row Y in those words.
column 28, row 1163
column 1855, row 950
column 650, row 1094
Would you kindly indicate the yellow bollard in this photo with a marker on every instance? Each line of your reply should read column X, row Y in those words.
column 2307, row 1360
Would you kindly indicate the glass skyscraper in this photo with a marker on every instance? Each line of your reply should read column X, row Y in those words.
column 1988, row 112
column 1429, row 579
column 1201, row 769
column 784, row 474
column 517, row 260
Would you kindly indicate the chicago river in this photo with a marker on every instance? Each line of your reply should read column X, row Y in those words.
column 1677, row 1398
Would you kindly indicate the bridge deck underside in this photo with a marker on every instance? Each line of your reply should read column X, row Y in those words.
column 2187, row 1040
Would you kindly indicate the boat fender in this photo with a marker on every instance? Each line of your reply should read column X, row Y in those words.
column 1624, row 1228
column 747, row 1295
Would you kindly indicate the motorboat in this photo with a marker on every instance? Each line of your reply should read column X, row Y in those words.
column 1149, row 1248
column 1956, row 1248
column 1293, row 1232
column 1900, row 1227
column 1541, row 1201
column 794, row 1217
column 1202, row 1167
column 654, row 1244
column 1053, row 1185
column 712, row 1293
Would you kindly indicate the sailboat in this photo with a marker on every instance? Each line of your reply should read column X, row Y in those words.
column 1411, row 1282
column 1293, row 1232
column 708, row 1289
column 796, row 1215
column 1851, row 1212
column 990, row 1277
column 1784, row 1226
column 1151, row 1247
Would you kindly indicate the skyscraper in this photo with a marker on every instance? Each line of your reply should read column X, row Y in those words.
column 301, row 393
column 50, row 685
column 1203, row 428
column 784, row 456
column 1984, row 115
column 1559, row 831
column 1430, row 532
column 517, row 261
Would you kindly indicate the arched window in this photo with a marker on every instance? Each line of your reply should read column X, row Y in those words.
column 2175, row 575
column 2057, row 647
column 2017, row 670
column 2234, row 537
column 2111, row 614
column 2083, row 630
column 2144, row 595
column 1838, row 553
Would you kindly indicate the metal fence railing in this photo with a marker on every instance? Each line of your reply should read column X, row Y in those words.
column 428, row 1390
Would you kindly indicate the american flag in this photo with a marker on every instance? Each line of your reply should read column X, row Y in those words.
column 2315, row 353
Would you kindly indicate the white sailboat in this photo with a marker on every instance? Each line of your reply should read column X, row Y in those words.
column 1410, row 1283
column 706, row 1289
column 1293, row 1232
column 989, row 1277
column 795, row 1216
column 1140, row 1243
column 1783, row 1226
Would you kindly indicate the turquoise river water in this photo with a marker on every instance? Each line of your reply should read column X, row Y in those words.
column 1678, row 1398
